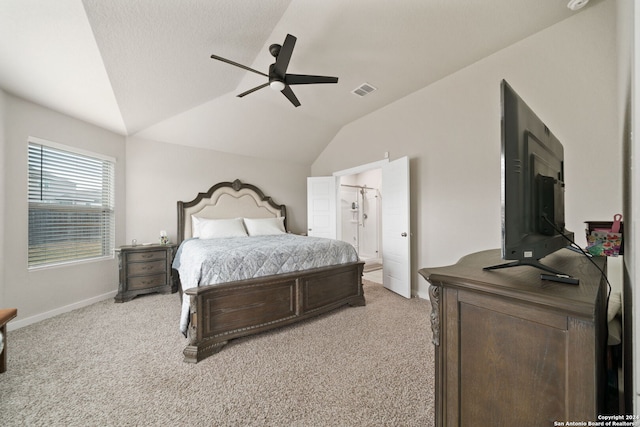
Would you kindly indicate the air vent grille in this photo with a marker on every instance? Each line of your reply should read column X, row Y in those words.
column 364, row 89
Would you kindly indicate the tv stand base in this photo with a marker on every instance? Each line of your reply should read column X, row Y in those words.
column 555, row 276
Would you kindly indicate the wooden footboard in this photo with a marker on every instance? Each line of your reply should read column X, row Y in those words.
column 219, row 313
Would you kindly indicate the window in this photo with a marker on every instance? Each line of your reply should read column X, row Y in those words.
column 71, row 205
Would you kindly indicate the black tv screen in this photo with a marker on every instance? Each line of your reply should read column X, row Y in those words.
column 532, row 158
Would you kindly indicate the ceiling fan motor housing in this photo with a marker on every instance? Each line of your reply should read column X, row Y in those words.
column 274, row 50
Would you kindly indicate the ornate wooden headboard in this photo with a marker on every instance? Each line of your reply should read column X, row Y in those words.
column 227, row 200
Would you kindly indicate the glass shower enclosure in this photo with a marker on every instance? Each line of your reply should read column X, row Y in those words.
column 360, row 215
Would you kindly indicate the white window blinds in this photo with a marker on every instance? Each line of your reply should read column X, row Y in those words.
column 71, row 206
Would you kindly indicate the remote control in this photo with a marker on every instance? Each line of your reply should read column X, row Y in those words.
column 562, row 278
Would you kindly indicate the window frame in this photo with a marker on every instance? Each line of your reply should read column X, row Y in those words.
column 105, row 211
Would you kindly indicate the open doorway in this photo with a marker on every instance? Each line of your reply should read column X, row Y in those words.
column 360, row 216
column 325, row 217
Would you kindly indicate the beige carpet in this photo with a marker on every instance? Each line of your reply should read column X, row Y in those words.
column 121, row 364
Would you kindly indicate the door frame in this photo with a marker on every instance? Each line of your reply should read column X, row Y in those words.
column 362, row 168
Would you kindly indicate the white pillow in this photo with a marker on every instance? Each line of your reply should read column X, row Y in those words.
column 265, row 226
column 195, row 226
column 214, row 228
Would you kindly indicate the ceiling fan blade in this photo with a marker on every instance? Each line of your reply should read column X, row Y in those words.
column 282, row 61
column 253, row 90
column 303, row 79
column 290, row 96
column 228, row 61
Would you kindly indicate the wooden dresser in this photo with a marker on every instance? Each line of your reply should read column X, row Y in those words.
column 513, row 350
column 145, row 269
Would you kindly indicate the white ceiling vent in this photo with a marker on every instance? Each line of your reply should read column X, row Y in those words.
column 364, row 89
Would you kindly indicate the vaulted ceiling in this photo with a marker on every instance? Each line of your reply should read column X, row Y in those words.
column 143, row 67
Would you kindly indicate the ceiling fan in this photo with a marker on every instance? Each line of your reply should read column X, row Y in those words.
column 278, row 78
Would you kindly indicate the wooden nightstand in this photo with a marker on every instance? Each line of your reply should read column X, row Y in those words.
column 144, row 269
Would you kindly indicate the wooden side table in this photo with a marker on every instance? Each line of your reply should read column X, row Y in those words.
column 144, row 269
column 6, row 314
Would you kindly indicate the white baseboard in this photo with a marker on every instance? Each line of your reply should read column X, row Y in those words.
column 21, row 323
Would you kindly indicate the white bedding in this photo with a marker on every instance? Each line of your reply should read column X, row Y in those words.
column 215, row 261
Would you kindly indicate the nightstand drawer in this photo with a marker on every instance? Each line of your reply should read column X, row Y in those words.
column 144, row 282
column 151, row 267
column 148, row 255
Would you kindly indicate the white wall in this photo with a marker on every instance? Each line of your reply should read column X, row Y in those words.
column 161, row 174
column 628, row 97
column 44, row 292
column 3, row 191
column 451, row 132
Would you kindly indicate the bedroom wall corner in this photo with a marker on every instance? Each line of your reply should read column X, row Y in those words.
column 160, row 174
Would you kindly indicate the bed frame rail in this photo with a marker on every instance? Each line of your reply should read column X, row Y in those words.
column 220, row 313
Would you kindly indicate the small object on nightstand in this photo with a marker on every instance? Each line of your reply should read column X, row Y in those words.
column 145, row 269
column 164, row 239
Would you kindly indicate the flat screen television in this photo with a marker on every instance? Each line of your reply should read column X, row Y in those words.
column 533, row 224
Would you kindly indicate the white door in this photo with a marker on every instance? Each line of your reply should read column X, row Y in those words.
column 396, row 236
column 321, row 206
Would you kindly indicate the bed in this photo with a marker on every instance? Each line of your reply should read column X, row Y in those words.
column 216, row 309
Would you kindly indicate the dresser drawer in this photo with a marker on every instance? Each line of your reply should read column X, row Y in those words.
column 144, row 282
column 151, row 267
column 147, row 256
